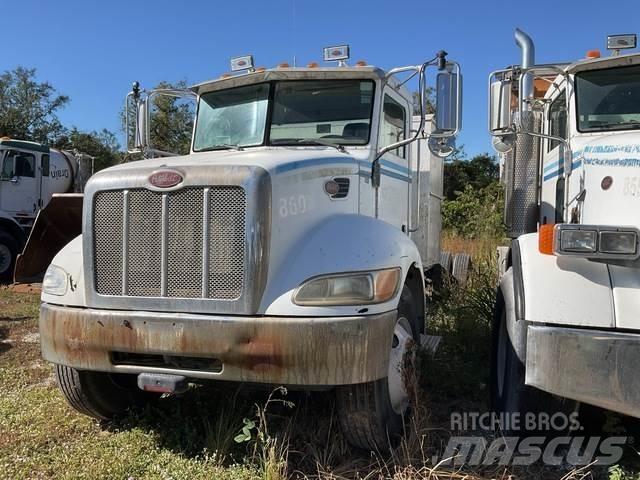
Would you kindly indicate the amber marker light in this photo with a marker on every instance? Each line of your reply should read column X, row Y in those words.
column 545, row 239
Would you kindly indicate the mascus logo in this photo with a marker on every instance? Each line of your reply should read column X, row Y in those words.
column 165, row 178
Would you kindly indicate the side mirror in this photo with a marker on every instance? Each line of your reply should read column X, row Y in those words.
column 135, row 121
column 159, row 122
column 448, row 102
column 500, row 107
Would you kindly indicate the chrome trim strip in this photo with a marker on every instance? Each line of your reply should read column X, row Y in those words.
column 205, row 241
column 164, row 244
column 125, row 241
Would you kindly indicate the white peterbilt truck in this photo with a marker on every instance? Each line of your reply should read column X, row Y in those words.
column 31, row 177
column 567, row 327
column 288, row 247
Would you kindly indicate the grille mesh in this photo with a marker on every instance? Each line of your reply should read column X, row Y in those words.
column 226, row 248
column 183, row 243
column 145, row 229
column 107, row 237
column 184, row 278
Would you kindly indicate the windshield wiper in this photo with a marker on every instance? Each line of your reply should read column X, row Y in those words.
column 325, row 143
column 222, row 146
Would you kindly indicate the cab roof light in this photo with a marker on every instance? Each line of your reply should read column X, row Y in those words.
column 283, row 65
column 339, row 54
column 593, row 54
column 621, row 42
column 313, row 65
column 244, row 62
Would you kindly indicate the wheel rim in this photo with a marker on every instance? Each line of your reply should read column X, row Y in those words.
column 5, row 258
column 501, row 356
column 402, row 339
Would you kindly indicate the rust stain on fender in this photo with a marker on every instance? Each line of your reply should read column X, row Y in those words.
column 294, row 351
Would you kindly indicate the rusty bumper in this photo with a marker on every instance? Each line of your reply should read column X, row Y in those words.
column 283, row 350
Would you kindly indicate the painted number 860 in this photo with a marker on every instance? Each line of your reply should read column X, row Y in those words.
column 292, row 206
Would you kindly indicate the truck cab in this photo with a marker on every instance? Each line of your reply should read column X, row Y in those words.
column 567, row 321
column 281, row 250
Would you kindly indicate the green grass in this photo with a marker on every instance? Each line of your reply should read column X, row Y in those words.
column 295, row 435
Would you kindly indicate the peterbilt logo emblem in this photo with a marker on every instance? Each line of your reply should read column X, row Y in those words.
column 165, row 178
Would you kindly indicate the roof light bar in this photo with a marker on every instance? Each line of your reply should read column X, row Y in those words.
column 242, row 63
column 339, row 54
column 620, row 42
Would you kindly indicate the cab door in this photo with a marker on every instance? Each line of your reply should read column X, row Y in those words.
column 19, row 183
column 395, row 178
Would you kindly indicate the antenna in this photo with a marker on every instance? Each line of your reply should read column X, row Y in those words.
column 293, row 30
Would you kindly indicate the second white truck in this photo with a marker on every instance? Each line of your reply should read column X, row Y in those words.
column 568, row 312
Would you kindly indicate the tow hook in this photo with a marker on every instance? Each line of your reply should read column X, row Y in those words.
column 162, row 383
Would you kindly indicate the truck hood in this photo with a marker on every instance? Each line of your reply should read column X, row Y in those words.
column 273, row 160
column 616, row 156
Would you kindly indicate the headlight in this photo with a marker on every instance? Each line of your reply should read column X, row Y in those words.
column 579, row 241
column 618, row 242
column 595, row 242
column 55, row 281
column 358, row 288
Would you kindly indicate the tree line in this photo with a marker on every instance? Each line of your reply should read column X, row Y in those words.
column 29, row 111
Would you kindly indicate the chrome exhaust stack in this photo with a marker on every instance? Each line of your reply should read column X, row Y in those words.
column 528, row 49
column 522, row 162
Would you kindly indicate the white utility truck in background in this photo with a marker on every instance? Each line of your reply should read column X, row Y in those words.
column 568, row 309
column 288, row 247
column 31, row 176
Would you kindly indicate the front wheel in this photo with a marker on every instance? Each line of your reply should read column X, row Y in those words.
column 98, row 394
column 511, row 398
column 371, row 414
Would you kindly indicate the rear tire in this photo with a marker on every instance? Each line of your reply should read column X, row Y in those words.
column 372, row 414
column 98, row 394
column 9, row 249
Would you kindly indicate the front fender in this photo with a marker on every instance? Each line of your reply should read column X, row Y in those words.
column 70, row 259
column 341, row 243
column 564, row 290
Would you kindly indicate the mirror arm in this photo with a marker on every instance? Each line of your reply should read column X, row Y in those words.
column 375, row 165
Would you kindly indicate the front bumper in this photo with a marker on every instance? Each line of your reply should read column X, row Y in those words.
column 283, row 350
column 595, row 367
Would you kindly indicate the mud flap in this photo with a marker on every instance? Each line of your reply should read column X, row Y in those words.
column 55, row 226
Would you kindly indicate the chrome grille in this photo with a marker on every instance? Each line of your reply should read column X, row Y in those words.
column 184, row 244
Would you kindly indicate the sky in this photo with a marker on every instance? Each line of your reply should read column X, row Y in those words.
column 93, row 51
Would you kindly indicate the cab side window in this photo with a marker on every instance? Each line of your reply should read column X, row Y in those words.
column 18, row 164
column 392, row 128
column 558, row 119
column 7, row 168
column 25, row 165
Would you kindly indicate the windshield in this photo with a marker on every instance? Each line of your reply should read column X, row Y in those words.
column 304, row 112
column 337, row 111
column 608, row 99
column 232, row 117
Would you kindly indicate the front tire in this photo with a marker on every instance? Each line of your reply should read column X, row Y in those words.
column 372, row 414
column 511, row 398
column 98, row 394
